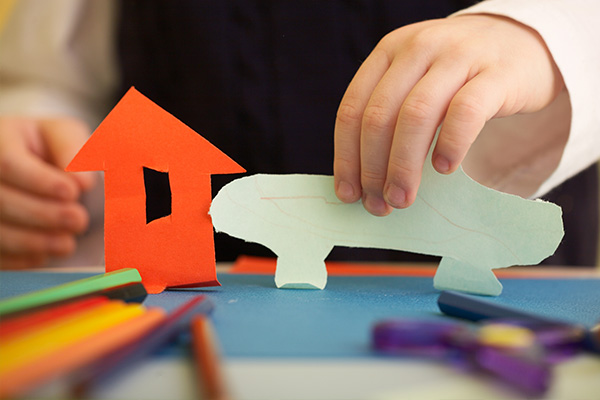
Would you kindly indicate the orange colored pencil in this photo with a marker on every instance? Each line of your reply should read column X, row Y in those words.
column 77, row 354
column 207, row 358
column 33, row 345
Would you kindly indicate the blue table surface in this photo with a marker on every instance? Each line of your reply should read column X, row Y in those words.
column 255, row 319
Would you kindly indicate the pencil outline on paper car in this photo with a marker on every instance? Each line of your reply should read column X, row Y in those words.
column 473, row 228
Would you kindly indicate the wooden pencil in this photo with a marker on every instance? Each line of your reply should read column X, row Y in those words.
column 207, row 357
column 113, row 364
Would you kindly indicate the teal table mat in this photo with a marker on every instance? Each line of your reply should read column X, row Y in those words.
column 254, row 319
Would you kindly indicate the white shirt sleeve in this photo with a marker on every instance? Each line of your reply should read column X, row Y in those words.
column 57, row 58
column 571, row 31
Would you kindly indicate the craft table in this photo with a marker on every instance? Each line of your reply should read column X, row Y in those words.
column 315, row 344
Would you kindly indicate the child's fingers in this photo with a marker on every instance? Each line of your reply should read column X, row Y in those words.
column 475, row 103
column 23, row 165
column 21, row 241
column 19, row 261
column 348, row 123
column 378, row 127
column 26, row 171
column 24, row 209
column 417, row 121
column 63, row 138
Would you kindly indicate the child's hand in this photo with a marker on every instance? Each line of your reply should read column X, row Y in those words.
column 459, row 72
column 39, row 210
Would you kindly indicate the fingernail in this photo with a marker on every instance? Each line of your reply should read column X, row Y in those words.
column 376, row 205
column 345, row 191
column 395, row 196
column 441, row 164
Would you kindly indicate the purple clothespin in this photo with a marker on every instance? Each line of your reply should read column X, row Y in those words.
column 513, row 351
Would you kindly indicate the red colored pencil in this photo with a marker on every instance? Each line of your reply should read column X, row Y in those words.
column 17, row 325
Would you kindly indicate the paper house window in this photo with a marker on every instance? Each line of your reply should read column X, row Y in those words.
column 158, row 194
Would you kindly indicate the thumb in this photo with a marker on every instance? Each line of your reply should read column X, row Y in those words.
column 63, row 138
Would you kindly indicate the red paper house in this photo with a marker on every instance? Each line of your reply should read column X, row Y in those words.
column 137, row 141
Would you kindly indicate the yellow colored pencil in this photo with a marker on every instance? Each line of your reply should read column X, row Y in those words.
column 77, row 354
column 37, row 344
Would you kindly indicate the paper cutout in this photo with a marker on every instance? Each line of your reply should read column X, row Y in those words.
column 472, row 227
column 173, row 251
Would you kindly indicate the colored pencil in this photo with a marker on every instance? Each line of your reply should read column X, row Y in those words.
column 130, row 293
column 77, row 354
column 123, row 358
column 207, row 357
column 474, row 309
column 69, row 290
column 133, row 292
column 29, row 347
column 15, row 326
